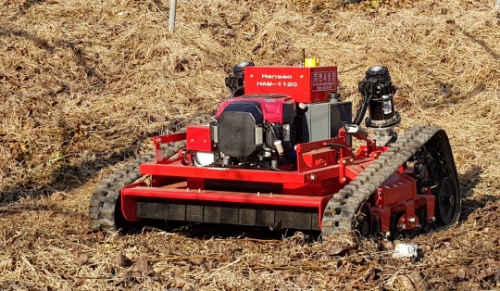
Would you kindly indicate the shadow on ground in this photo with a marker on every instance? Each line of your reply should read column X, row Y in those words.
column 70, row 176
column 468, row 181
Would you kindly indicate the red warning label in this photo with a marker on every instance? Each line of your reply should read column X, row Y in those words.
column 323, row 81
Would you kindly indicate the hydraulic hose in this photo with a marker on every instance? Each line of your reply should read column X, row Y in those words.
column 362, row 107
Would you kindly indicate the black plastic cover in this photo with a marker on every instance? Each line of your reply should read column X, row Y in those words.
column 236, row 129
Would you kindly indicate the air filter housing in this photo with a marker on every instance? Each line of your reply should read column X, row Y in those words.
column 239, row 129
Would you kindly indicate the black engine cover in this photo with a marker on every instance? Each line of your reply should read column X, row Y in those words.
column 236, row 129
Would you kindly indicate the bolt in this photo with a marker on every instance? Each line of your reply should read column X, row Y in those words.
column 403, row 226
column 199, row 190
column 344, row 179
column 351, row 160
column 433, row 218
column 271, row 194
column 411, row 220
column 187, row 189
column 312, row 177
column 258, row 193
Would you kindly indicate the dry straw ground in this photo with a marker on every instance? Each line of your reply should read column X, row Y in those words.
column 84, row 84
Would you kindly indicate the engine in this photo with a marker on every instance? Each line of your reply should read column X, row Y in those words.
column 256, row 130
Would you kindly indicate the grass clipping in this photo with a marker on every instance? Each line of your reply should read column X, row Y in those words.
column 85, row 84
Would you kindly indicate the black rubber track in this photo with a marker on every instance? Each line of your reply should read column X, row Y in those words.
column 341, row 210
column 104, row 210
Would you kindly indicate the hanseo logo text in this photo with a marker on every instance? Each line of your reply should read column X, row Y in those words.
column 279, row 77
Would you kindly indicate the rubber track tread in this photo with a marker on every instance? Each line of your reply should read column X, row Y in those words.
column 342, row 208
column 104, row 199
column 103, row 203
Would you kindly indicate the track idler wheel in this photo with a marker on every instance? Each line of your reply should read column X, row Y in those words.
column 447, row 201
column 426, row 226
column 396, row 233
column 363, row 222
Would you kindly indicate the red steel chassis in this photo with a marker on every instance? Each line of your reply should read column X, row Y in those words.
column 323, row 168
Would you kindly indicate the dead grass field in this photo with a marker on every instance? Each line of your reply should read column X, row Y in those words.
column 85, row 84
